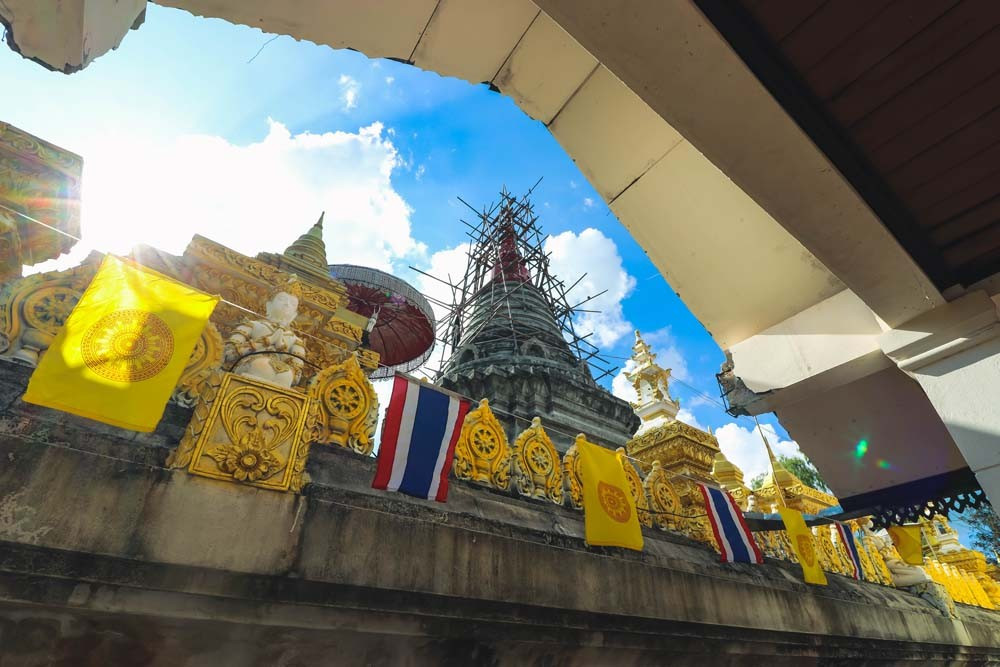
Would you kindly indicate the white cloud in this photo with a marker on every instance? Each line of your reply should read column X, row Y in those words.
column 573, row 185
column 252, row 198
column 688, row 418
column 588, row 202
column 419, row 173
column 349, row 90
column 446, row 265
column 744, row 447
column 389, row 80
column 593, row 253
column 620, row 385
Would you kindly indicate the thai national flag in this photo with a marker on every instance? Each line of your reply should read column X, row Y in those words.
column 847, row 538
column 419, row 434
column 731, row 533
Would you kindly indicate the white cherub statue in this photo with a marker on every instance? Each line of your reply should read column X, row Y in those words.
column 263, row 348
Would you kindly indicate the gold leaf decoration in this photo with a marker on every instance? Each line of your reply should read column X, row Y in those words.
column 348, row 406
column 205, row 358
column 571, row 471
column 482, row 453
column 34, row 308
column 638, row 492
column 664, row 502
column 247, row 431
column 537, row 468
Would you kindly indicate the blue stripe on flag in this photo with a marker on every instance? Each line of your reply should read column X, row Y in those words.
column 852, row 549
column 731, row 529
column 429, row 425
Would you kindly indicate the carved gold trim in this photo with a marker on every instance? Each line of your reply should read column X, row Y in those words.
column 205, row 358
column 482, row 453
column 347, row 407
column 537, row 468
column 253, row 434
column 345, row 329
column 664, row 502
column 573, row 476
column 637, row 489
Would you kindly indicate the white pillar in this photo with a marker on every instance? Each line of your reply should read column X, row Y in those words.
column 953, row 351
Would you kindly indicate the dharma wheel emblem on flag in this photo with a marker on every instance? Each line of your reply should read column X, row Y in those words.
column 807, row 551
column 614, row 502
column 127, row 346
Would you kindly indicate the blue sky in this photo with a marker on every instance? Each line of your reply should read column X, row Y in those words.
column 181, row 134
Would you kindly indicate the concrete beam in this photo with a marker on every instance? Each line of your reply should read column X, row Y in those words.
column 906, row 439
column 675, row 60
column 954, row 353
column 67, row 35
column 830, row 344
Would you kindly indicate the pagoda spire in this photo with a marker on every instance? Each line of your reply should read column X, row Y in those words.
column 309, row 249
column 779, row 476
column 651, row 382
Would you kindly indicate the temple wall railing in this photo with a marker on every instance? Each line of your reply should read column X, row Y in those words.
column 532, row 468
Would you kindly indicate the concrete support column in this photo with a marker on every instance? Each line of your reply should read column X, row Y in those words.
column 953, row 351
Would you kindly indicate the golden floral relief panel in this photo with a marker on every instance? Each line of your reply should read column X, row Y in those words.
column 253, row 434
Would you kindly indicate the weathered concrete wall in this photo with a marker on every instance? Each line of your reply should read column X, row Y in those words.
column 108, row 558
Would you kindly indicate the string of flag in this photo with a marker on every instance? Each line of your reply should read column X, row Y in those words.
column 123, row 347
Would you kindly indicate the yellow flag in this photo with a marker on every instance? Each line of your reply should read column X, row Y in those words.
column 123, row 348
column 906, row 539
column 609, row 514
column 803, row 544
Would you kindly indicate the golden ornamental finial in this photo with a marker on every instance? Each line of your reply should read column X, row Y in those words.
column 290, row 286
column 309, row 249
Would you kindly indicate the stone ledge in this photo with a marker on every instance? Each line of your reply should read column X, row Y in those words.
column 480, row 549
column 175, row 608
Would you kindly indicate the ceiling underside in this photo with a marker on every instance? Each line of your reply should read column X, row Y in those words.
column 904, row 97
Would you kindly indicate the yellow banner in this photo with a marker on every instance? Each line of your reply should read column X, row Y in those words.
column 907, row 541
column 609, row 513
column 804, row 545
column 123, row 348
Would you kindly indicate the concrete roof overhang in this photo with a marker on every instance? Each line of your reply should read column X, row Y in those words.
column 744, row 215
column 904, row 99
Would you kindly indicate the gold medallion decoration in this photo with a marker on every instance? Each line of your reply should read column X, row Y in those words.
column 346, row 407
column 482, row 453
column 128, row 346
column 344, row 398
column 614, row 501
column 537, row 469
column 635, row 487
column 571, row 472
column 666, row 505
column 807, row 551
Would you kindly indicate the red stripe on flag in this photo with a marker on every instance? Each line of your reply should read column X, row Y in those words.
column 390, row 433
column 713, row 524
column 442, row 494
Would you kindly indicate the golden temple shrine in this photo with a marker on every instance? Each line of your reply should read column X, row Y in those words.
column 38, row 182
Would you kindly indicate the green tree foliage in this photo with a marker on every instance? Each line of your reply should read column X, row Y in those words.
column 984, row 527
column 799, row 466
